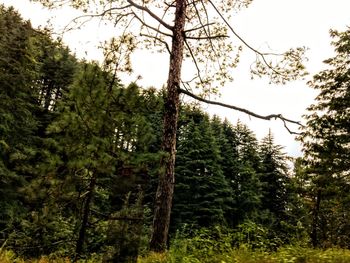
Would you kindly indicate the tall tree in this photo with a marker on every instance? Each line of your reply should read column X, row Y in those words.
column 101, row 132
column 326, row 138
column 274, row 175
column 202, row 195
column 201, row 31
column 18, row 124
column 276, row 191
column 227, row 141
column 246, row 184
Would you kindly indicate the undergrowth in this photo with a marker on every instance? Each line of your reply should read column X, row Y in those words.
column 216, row 246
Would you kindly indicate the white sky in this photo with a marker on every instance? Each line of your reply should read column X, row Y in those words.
column 280, row 24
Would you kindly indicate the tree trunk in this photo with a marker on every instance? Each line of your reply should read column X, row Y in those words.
column 315, row 214
column 85, row 220
column 165, row 190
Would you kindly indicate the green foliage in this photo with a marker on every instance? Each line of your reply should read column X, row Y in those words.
column 202, row 194
column 124, row 233
column 216, row 246
column 280, row 201
column 325, row 141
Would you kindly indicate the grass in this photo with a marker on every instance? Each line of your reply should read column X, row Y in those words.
column 185, row 254
column 243, row 255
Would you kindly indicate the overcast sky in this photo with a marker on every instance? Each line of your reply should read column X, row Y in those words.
column 279, row 24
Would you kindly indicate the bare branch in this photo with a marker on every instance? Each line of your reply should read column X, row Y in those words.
column 158, row 39
column 150, row 27
column 194, row 61
column 261, row 54
column 143, row 8
column 207, row 37
column 250, row 113
column 202, row 26
column 207, row 32
column 90, row 16
column 234, row 32
column 165, row 11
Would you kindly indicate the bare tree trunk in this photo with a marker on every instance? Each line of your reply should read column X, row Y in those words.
column 85, row 220
column 166, row 182
column 315, row 214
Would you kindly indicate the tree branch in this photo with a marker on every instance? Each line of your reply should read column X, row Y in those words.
column 143, row 8
column 250, row 113
column 202, row 26
column 207, row 37
column 150, row 27
column 158, row 39
column 90, row 16
column 207, row 32
column 234, row 32
column 259, row 53
column 194, row 61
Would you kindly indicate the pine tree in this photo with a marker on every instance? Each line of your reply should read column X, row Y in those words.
column 277, row 190
column 246, row 184
column 202, row 194
column 326, row 146
column 274, row 176
column 229, row 162
column 18, row 125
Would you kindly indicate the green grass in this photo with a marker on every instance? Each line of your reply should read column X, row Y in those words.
column 243, row 255
column 207, row 254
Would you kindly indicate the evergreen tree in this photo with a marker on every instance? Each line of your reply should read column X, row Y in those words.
column 326, row 141
column 229, row 161
column 274, row 176
column 246, row 185
column 18, row 125
column 278, row 196
column 56, row 69
column 23, row 117
column 202, row 194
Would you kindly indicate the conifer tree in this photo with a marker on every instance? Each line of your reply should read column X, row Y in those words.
column 229, row 161
column 246, row 185
column 274, row 176
column 275, row 180
column 18, row 124
column 202, row 194
column 326, row 139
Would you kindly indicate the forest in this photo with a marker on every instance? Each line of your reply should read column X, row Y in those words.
column 82, row 158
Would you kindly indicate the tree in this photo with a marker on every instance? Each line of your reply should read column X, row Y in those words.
column 326, row 139
column 227, row 141
column 202, row 195
column 274, row 176
column 245, row 183
column 101, row 133
column 18, row 124
column 197, row 30
column 276, row 188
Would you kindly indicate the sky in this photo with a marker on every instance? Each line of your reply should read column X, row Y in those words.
column 277, row 24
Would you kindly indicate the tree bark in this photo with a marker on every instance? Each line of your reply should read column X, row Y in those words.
column 315, row 214
column 165, row 190
column 85, row 219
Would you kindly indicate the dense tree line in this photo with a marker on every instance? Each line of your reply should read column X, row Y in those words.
column 80, row 154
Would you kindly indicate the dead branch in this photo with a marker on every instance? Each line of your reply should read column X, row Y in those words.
column 202, row 26
column 143, row 8
column 194, row 61
column 150, row 27
column 158, row 39
column 259, row 53
column 250, row 113
column 207, row 37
